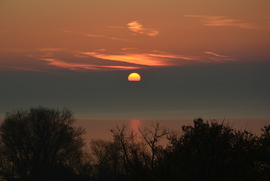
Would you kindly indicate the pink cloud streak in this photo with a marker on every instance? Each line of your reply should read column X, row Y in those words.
column 222, row 21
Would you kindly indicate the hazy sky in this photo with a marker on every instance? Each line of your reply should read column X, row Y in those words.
column 197, row 58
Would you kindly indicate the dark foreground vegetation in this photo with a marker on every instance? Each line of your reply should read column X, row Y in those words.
column 43, row 144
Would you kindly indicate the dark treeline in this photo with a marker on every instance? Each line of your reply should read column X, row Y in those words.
column 43, row 144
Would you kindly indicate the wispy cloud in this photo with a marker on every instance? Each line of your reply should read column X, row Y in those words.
column 138, row 28
column 138, row 59
column 100, row 36
column 49, row 49
column 219, row 57
column 129, row 49
column 171, row 56
column 107, row 37
column 92, row 35
column 153, row 58
column 51, row 59
column 133, row 26
column 223, row 21
column 121, row 39
column 84, row 66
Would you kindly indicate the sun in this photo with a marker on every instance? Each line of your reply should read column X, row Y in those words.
column 134, row 77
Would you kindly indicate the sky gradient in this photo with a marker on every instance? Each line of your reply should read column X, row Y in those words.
column 196, row 58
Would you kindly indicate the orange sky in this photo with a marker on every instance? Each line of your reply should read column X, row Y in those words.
column 196, row 58
column 39, row 35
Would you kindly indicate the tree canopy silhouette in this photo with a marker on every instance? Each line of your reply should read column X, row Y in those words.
column 212, row 151
column 40, row 144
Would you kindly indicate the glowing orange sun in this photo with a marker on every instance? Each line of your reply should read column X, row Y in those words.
column 134, row 77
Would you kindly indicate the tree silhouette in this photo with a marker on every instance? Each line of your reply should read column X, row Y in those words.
column 107, row 160
column 43, row 144
column 131, row 152
column 264, row 152
column 40, row 144
column 139, row 151
column 212, row 151
column 154, row 157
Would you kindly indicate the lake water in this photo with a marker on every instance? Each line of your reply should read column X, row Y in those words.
column 100, row 129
